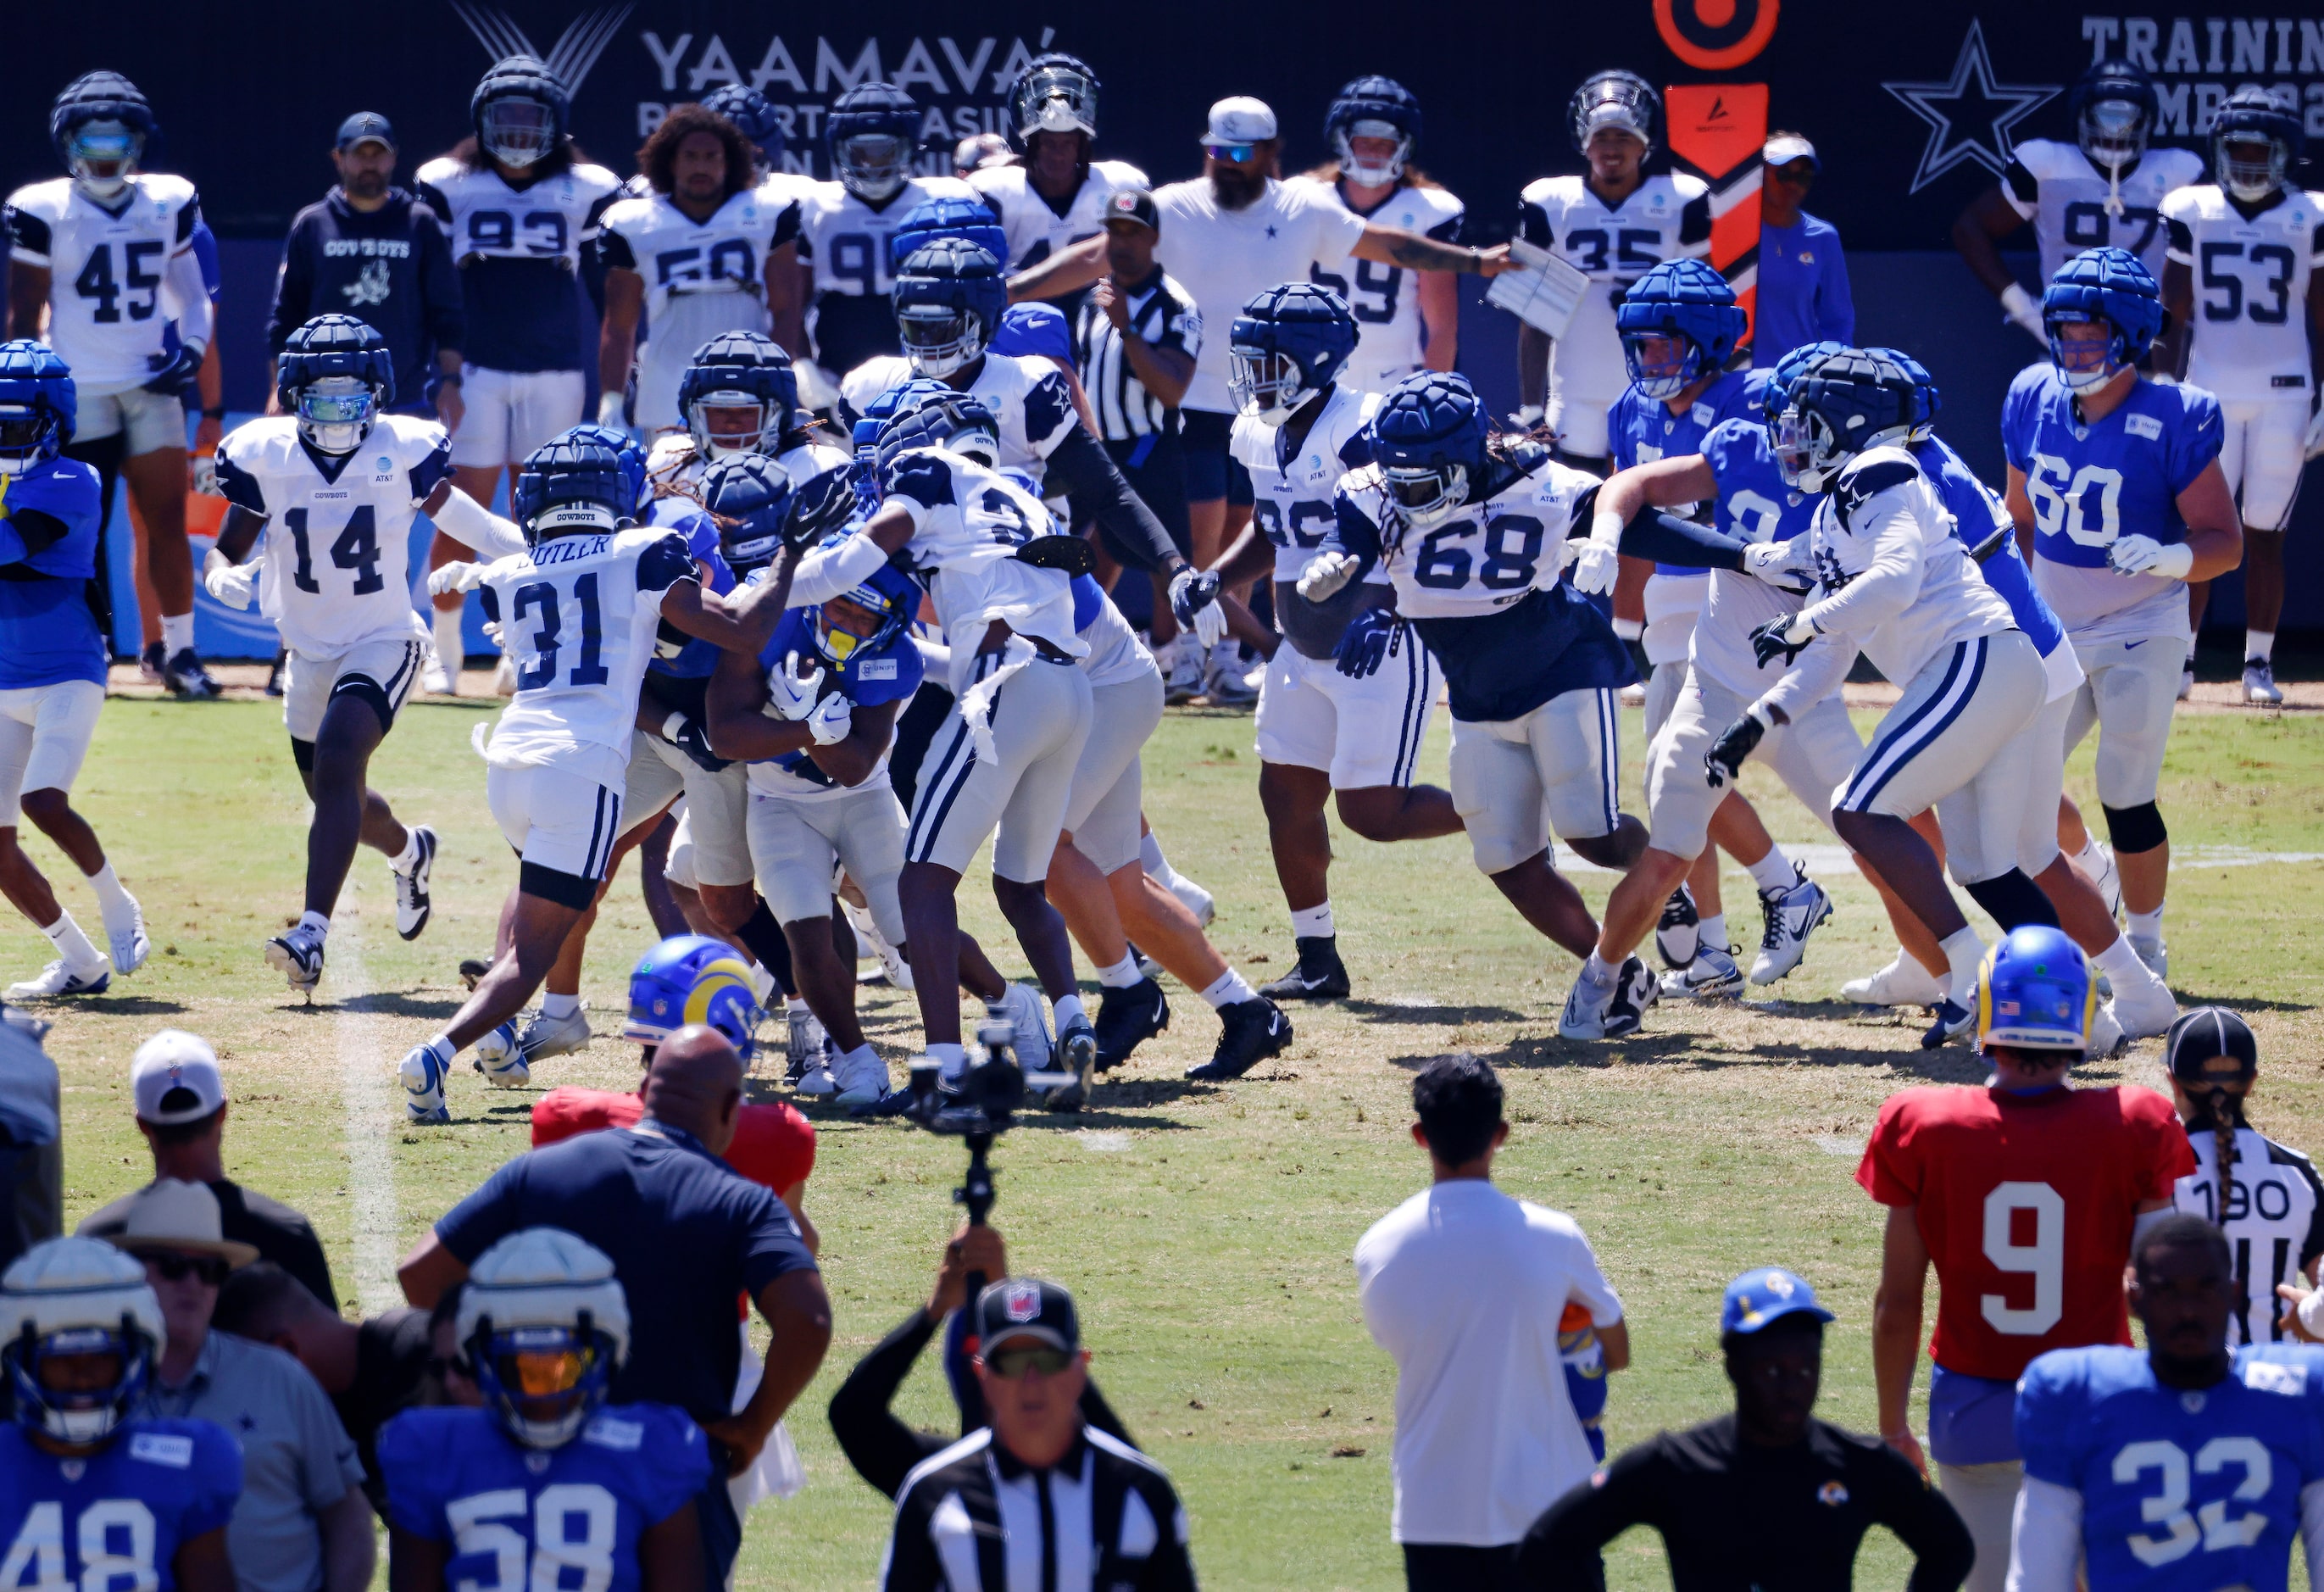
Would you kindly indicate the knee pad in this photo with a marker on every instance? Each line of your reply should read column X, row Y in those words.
column 2136, row 828
column 302, row 752
column 2014, row 901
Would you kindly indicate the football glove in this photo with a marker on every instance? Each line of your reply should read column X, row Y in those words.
column 791, row 692
column 689, row 736
column 609, row 412
column 1724, row 761
column 235, row 584
column 831, row 719
column 2314, row 442
column 1210, row 625
column 1325, row 574
column 456, row 576
column 1190, row 594
column 174, row 373
column 2022, row 310
column 1771, row 561
column 2142, row 555
column 1785, row 638
column 1370, row 639
column 1595, row 567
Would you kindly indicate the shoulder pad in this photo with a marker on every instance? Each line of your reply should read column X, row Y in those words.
column 623, row 212
column 596, row 177
column 165, row 188
column 1688, row 188
column 1526, row 459
column 1867, row 476
column 2045, row 158
column 1543, row 189
column 45, row 199
column 443, row 168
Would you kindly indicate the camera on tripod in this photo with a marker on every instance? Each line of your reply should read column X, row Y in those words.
column 983, row 1099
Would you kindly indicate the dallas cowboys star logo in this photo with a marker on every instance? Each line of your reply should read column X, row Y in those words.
column 1970, row 116
column 1270, row 229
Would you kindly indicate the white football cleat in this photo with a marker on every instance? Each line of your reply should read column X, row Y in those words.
column 127, row 941
column 1226, row 678
column 1021, row 1008
column 2107, row 1037
column 1713, row 973
column 57, row 979
column 2145, row 1009
column 501, row 1059
column 1903, row 982
column 411, row 903
column 297, row 953
column 1594, row 1012
column 437, row 681
column 2151, row 951
column 546, row 1036
column 2260, row 689
column 1792, row 915
column 1182, row 670
column 858, row 1080
column 816, row 1083
column 423, row 1086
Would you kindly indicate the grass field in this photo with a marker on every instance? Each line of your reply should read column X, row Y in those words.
column 1205, row 1230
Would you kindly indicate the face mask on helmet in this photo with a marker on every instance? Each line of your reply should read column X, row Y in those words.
column 939, row 340
column 518, row 131
column 1371, row 168
column 1057, row 99
column 335, row 413
column 848, row 624
column 1807, row 452
column 727, row 422
column 1426, row 494
column 79, row 1384
column 2087, row 349
column 871, row 166
column 1661, row 363
column 100, row 156
column 543, row 1381
column 1267, row 387
column 2113, row 132
column 2250, row 168
column 26, row 432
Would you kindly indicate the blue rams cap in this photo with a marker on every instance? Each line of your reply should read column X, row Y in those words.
column 1758, row 1298
column 366, row 127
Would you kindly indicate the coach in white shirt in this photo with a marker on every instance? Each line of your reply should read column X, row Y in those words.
column 1465, row 1286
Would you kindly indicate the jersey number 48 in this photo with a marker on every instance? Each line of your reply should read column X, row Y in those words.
column 115, row 1539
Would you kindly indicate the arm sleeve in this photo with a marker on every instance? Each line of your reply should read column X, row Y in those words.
column 2045, row 1536
column 663, row 564
column 294, row 284
column 830, row 571
column 1662, row 536
column 1889, row 582
column 191, row 296
column 1560, row 1553
column 1929, row 1527
column 237, row 486
column 1352, row 532
column 882, row 1448
column 1098, row 488
column 433, row 469
column 468, row 523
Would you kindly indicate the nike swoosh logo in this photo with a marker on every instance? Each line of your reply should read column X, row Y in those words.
column 2134, row 646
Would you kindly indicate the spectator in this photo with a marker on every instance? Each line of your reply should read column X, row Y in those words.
column 1466, row 1287
column 1803, row 274
column 1768, row 1495
column 371, row 1369
column 1051, row 1488
column 302, row 1523
column 685, row 1231
column 181, row 1110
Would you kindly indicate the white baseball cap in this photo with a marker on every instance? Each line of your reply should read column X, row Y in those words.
column 1789, row 147
column 176, row 1079
column 1241, row 119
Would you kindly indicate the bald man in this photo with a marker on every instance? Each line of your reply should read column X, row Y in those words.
column 686, row 1231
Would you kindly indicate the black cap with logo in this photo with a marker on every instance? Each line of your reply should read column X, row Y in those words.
column 1133, row 204
column 1026, row 1306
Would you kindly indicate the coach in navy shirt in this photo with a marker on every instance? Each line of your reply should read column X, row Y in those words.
column 1804, row 294
column 687, row 1235
column 371, row 251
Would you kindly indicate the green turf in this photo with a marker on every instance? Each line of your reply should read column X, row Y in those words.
column 1205, row 1230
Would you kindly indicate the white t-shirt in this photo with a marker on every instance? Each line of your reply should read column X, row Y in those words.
column 1463, row 1285
column 1226, row 258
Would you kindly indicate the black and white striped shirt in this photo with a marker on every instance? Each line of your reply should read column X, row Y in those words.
column 1102, row 1519
column 2273, row 1218
column 1163, row 314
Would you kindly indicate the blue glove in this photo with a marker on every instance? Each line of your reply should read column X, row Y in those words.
column 1370, row 639
column 174, row 372
column 1191, row 593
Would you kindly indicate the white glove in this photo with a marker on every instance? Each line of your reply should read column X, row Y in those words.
column 790, row 693
column 2020, row 307
column 1771, row 560
column 609, row 412
column 1210, row 625
column 1325, row 574
column 2142, row 555
column 2314, row 444
column 1595, row 566
column 456, row 576
column 1527, row 417
column 817, row 387
column 235, row 584
column 830, row 721
column 206, row 475
column 492, row 634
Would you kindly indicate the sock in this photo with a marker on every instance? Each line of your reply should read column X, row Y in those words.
column 177, row 632
column 1122, row 975
column 1313, row 922
column 1963, row 951
column 316, row 924
column 1773, row 873
column 1068, row 1009
column 1599, row 971
column 2121, row 964
column 2257, row 643
column 1229, row 989
column 762, row 937
column 449, row 646
column 71, row 944
column 111, row 898
column 557, row 1007
column 2146, row 925
column 402, row 860
column 1710, row 933
column 1158, row 867
column 793, row 1004
column 951, row 1059
column 2090, row 858
column 444, row 1048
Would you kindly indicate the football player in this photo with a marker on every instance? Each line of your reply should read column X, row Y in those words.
column 2255, row 341
column 1052, row 195
column 581, row 608
column 720, row 260
column 1410, row 319
column 332, row 485
column 547, row 1475
column 2104, row 188
column 2025, row 1194
column 778, row 190
column 86, row 1492
column 2118, row 496
column 2188, row 1464
column 107, row 255
column 523, row 208
column 51, row 670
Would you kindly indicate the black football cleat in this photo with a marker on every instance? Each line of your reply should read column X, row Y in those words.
column 1321, row 975
column 1252, row 1031
column 1127, row 1018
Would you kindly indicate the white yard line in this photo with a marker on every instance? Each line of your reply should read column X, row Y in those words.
column 1825, row 858
column 370, row 1118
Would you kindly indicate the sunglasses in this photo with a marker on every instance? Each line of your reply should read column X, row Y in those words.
column 176, row 1268
column 1236, row 153
column 1009, row 1365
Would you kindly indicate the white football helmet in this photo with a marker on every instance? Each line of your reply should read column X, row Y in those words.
column 74, row 1297
column 543, row 1322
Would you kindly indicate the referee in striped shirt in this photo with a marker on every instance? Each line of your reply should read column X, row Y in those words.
column 1135, row 346
column 1037, row 1501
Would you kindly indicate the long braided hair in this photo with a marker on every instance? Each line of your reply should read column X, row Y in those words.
column 2197, row 1044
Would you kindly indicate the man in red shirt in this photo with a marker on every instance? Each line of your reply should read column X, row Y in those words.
column 2025, row 1194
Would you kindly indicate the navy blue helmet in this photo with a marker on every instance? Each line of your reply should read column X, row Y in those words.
column 626, row 444
column 2111, row 286
column 871, row 134
column 866, row 436
column 1927, row 400
column 2252, row 118
column 966, row 220
column 752, row 115
column 950, row 422
column 1841, row 406
column 734, row 372
column 949, row 295
column 1789, row 369
column 38, row 405
column 1373, row 108
column 1678, row 322
column 519, row 111
column 1428, row 438
column 2115, row 108
column 1286, row 346
column 1621, row 100
column 335, row 373
column 100, row 126
column 571, row 484
column 1055, row 93
column 749, row 495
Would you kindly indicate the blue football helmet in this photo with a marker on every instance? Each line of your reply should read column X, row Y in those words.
column 733, row 373
column 749, row 495
column 1428, row 438
column 1621, row 100
column 753, row 117
column 865, row 619
column 2034, row 992
column 970, row 221
column 632, row 452
column 1927, row 399
column 693, row 979
column 2112, row 287
column 1373, row 108
column 1679, row 322
column 100, row 126
column 2253, row 118
column 335, row 373
column 2115, row 108
column 77, row 1296
column 945, row 420
column 949, row 295
column 544, row 1326
column 1055, row 93
column 1789, row 369
column 572, row 485
column 519, row 111
column 869, row 135
column 1841, row 406
column 38, row 405
column 865, row 436
column 1289, row 344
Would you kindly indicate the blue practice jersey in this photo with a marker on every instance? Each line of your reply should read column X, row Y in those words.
column 1754, row 502
column 871, row 676
column 2181, row 1491
column 2092, row 483
column 677, row 655
column 48, row 630
column 559, row 1520
column 112, row 1521
column 1641, row 429
column 1977, row 514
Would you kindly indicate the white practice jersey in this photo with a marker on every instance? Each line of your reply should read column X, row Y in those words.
column 1034, row 228
column 2273, row 1216
column 781, row 191
column 843, row 240
column 1115, row 655
column 1291, row 497
column 2249, row 324
column 1026, row 392
column 2074, row 206
column 702, row 278
column 1386, row 299
column 555, row 218
column 1668, row 217
column 106, row 302
column 1485, row 556
column 577, row 615
column 338, row 532
column 816, row 469
column 967, row 524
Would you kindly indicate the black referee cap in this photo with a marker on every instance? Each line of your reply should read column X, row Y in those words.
column 1133, row 204
column 1026, row 1306
column 2203, row 1033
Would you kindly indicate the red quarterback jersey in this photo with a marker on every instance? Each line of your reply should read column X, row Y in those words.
column 774, row 1144
column 2026, row 1203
